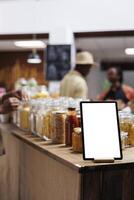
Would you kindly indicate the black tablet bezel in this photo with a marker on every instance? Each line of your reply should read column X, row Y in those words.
column 82, row 127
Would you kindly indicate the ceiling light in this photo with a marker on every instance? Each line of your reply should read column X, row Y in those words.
column 34, row 58
column 30, row 44
column 129, row 51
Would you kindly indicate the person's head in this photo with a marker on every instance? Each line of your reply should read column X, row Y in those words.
column 114, row 75
column 84, row 62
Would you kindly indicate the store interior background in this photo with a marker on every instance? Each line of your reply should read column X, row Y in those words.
column 13, row 61
column 108, row 49
column 45, row 17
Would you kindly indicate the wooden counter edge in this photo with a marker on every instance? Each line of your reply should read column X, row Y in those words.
column 81, row 169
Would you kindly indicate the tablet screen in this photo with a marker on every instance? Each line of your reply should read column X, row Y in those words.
column 100, row 129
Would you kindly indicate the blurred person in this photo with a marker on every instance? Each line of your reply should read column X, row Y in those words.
column 74, row 83
column 117, row 91
column 2, row 88
column 10, row 101
column 131, row 105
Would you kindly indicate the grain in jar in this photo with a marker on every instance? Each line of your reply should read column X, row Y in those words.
column 58, row 134
column 24, row 113
column 51, row 106
column 77, row 140
column 46, row 125
column 54, row 106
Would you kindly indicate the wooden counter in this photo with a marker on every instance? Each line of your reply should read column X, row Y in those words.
column 42, row 171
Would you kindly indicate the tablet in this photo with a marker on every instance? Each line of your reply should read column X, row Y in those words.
column 100, row 130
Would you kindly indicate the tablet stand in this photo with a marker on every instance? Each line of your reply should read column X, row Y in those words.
column 103, row 160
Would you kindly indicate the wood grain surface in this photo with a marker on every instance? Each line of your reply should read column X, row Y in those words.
column 13, row 65
column 66, row 156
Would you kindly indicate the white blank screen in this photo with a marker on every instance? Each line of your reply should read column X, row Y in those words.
column 100, row 129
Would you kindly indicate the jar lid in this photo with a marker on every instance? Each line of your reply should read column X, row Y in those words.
column 71, row 108
column 26, row 108
column 77, row 130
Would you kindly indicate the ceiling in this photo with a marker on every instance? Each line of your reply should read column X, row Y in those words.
column 103, row 48
column 22, row 0
column 107, row 48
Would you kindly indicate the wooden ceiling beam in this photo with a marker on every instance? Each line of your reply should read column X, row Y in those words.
column 23, row 36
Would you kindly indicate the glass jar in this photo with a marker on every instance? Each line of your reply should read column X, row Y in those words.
column 79, row 120
column 131, row 135
column 46, row 119
column 24, row 114
column 77, row 140
column 16, row 118
column 46, row 124
column 58, row 134
column 126, row 122
column 54, row 106
column 42, row 119
column 70, row 123
column 39, row 121
column 124, row 139
column 33, row 115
